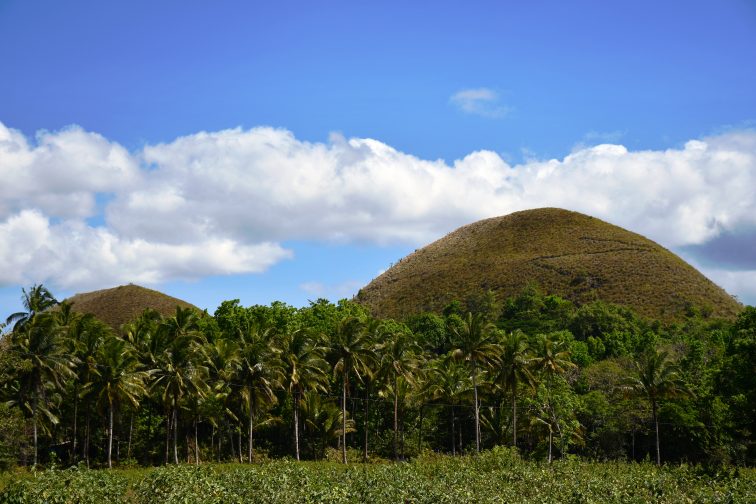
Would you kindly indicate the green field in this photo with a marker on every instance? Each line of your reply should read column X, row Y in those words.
column 494, row 476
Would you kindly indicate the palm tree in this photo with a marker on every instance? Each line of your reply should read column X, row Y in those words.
column 447, row 380
column 84, row 336
column 656, row 378
column 553, row 358
column 260, row 372
column 324, row 419
column 117, row 379
column 177, row 372
column 304, row 368
column 36, row 301
column 476, row 345
column 46, row 364
column 398, row 360
column 223, row 362
column 352, row 354
column 514, row 370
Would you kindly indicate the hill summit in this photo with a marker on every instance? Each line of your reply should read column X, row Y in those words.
column 122, row 304
column 566, row 253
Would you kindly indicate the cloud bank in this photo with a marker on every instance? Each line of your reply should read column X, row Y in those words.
column 226, row 202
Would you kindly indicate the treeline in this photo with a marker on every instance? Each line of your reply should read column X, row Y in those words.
column 329, row 381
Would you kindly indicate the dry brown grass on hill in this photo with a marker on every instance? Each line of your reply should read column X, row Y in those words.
column 566, row 253
column 122, row 304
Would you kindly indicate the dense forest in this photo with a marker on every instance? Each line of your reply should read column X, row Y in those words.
column 328, row 381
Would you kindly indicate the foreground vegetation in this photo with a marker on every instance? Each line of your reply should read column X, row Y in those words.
column 264, row 382
column 495, row 476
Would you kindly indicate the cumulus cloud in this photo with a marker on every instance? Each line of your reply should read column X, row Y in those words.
column 480, row 101
column 224, row 202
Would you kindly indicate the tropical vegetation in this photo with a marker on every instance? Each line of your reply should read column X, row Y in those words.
column 534, row 372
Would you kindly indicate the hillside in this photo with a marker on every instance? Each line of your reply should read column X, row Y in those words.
column 566, row 253
column 122, row 304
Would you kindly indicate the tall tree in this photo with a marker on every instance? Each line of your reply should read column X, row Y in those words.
column 304, row 368
column 514, row 370
column 36, row 301
column 656, row 378
column 552, row 359
column 260, row 374
column 178, row 372
column 447, row 380
column 45, row 366
column 352, row 354
column 398, row 360
column 117, row 379
column 476, row 344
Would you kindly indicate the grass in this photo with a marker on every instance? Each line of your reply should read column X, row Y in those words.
column 569, row 254
column 122, row 304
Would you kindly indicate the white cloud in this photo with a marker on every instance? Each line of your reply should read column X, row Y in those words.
column 480, row 101
column 74, row 255
column 61, row 173
column 223, row 202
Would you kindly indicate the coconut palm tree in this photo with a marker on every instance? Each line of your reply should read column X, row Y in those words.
column 352, row 354
column 223, row 362
column 175, row 348
column 117, row 379
column 84, row 336
column 552, row 358
column 476, row 344
column 398, row 360
column 36, row 301
column 656, row 378
column 260, row 374
column 45, row 366
column 514, row 369
column 304, row 368
column 447, row 380
column 324, row 419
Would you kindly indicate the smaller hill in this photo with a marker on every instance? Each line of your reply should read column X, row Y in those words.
column 122, row 304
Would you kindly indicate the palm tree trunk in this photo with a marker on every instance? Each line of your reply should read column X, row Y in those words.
column 196, row 444
column 131, row 431
column 110, row 435
column 549, row 444
column 296, row 423
column 477, row 412
column 251, row 453
column 396, row 422
column 367, row 425
column 175, row 434
column 87, row 437
column 34, row 419
column 167, row 435
column 656, row 424
column 453, row 443
column 251, row 426
column 343, row 420
column 514, row 418
column 241, row 453
column 420, row 431
column 76, row 411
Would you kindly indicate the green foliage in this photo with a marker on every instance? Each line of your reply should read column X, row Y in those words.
column 494, row 476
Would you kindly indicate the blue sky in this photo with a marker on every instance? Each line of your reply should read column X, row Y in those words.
column 200, row 113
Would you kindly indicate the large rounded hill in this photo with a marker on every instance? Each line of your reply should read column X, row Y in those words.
column 575, row 256
column 123, row 304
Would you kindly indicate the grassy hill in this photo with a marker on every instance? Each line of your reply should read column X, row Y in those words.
column 566, row 253
column 122, row 304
